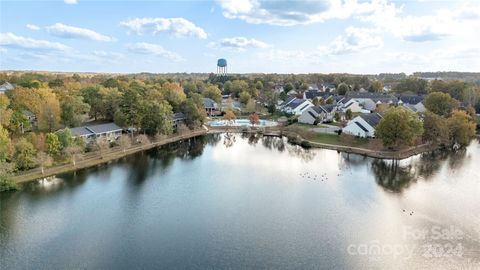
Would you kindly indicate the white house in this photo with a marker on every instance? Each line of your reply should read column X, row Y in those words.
column 324, row 113
column 363, row 125
column 353, row 105
column 297, row 106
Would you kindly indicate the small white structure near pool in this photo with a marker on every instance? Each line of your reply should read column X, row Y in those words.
column 241, row 122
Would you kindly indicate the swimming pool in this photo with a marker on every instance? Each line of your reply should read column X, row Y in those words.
column 241, row 122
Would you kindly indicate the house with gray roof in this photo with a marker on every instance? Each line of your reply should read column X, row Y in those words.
column 178, row 119
column 363, row 126
column 413, row 102
column 297, row 106
column 322, row 113
column 109, row 130
column 210, row 106
column 6, row 86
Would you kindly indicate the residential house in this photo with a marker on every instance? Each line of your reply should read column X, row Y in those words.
column 322, row 113
column 297, row 106
column 32, row 119
column 286, row 102
column 370, row 101
column 313, row 86
column 109, row 130
column 363, row 125
column 413, row 102
column 210, row 106
column 178, row 119
column 329, row 87
column 6, row 86
column 353, row 105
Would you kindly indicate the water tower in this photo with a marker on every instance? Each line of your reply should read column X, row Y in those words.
column 222, row 67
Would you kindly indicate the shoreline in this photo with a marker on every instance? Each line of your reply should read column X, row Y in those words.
column 382, row 154
column 116, row 153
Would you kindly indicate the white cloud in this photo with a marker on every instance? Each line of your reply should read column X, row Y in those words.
column 294, row 12
column 177, row 26
column 66, row 31
column 19, row 42
column 239, row 44
column 33, row 27
column 354, row 40
column 70, row 2
column 441, row 24
column 154, row 49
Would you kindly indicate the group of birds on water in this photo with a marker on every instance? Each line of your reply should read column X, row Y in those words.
column 321, row 177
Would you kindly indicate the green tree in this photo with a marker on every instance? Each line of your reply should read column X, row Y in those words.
column 239, row 86
column 25, row 155
column 5, row 144
column 251, row 106
column 5, row 182
column 65, row 137
column 91, row 95
column 288, row 87
column 157, row 118
column 413, row 85
column 259, row 85
column 440, row 103
column 213, row 92
column 455, row 88
column 131, row 108
column 19, row 122
column 5, row 112
column 348, row 114
column 194, row 113
column 376, row 86
column 72, row 110
column 462, row 128
column 245, row 97
column 342, row 89
column 399, row 126
column 53, row 144
column 435, row 128
column 49, row 114
column 174, row 94
column 110, row 104
column 337, row 117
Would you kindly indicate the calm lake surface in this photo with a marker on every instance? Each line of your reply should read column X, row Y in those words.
column 249, row 202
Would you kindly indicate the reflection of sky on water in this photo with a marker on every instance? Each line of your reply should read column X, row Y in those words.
column 249, row 202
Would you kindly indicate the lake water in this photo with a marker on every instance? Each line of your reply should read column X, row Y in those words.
column 249, row 202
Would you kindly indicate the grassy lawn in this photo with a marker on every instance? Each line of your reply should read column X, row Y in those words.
column 307, row 126
column 326, row 138
column 478, row 120
column 342, row 140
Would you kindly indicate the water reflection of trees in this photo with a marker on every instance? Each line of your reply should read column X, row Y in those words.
column 396, row 176
column 391, row 176
column 274, row 143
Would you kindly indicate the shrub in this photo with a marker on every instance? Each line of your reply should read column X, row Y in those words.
column 7, row 184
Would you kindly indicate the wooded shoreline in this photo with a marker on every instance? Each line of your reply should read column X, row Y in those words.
column 117, row 152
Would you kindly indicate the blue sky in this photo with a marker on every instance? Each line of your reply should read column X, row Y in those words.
column 253, row 35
